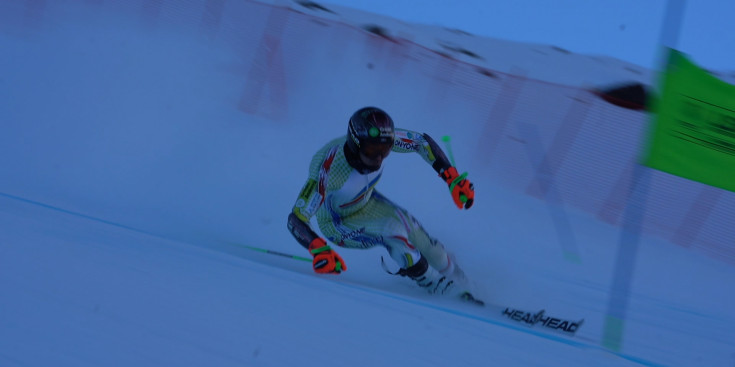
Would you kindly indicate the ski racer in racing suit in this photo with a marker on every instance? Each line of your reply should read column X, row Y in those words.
column 351, row 213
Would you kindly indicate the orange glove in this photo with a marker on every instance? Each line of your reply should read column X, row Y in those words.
column 463, row 191
column 326, row 260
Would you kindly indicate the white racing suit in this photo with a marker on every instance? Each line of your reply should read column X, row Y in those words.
column 352, row 214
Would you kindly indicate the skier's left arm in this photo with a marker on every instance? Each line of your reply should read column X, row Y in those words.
column 462, row 190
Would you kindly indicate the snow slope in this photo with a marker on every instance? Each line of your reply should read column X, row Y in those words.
column 131, row 183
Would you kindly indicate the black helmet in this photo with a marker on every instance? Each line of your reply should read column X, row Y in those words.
column 369, row 127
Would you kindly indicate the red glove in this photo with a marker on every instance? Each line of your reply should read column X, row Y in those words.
column 463, row 191
column 326, row 260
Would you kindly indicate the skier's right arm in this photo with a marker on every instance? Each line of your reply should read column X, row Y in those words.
column 310, row 199
column 305, row 207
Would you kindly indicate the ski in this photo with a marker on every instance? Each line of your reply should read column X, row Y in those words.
column 468, row 297
column 503, row 314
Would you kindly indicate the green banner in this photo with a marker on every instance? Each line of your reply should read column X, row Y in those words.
column 693, row 133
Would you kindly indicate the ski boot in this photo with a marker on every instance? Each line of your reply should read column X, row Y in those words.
column 452, row 282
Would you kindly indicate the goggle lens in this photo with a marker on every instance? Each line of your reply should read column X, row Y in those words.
column 376, row 150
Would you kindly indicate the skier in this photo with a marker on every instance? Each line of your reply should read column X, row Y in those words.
column 351, row 213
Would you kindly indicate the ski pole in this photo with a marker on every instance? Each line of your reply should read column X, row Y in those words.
column 446, row 139
column 271, row 252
